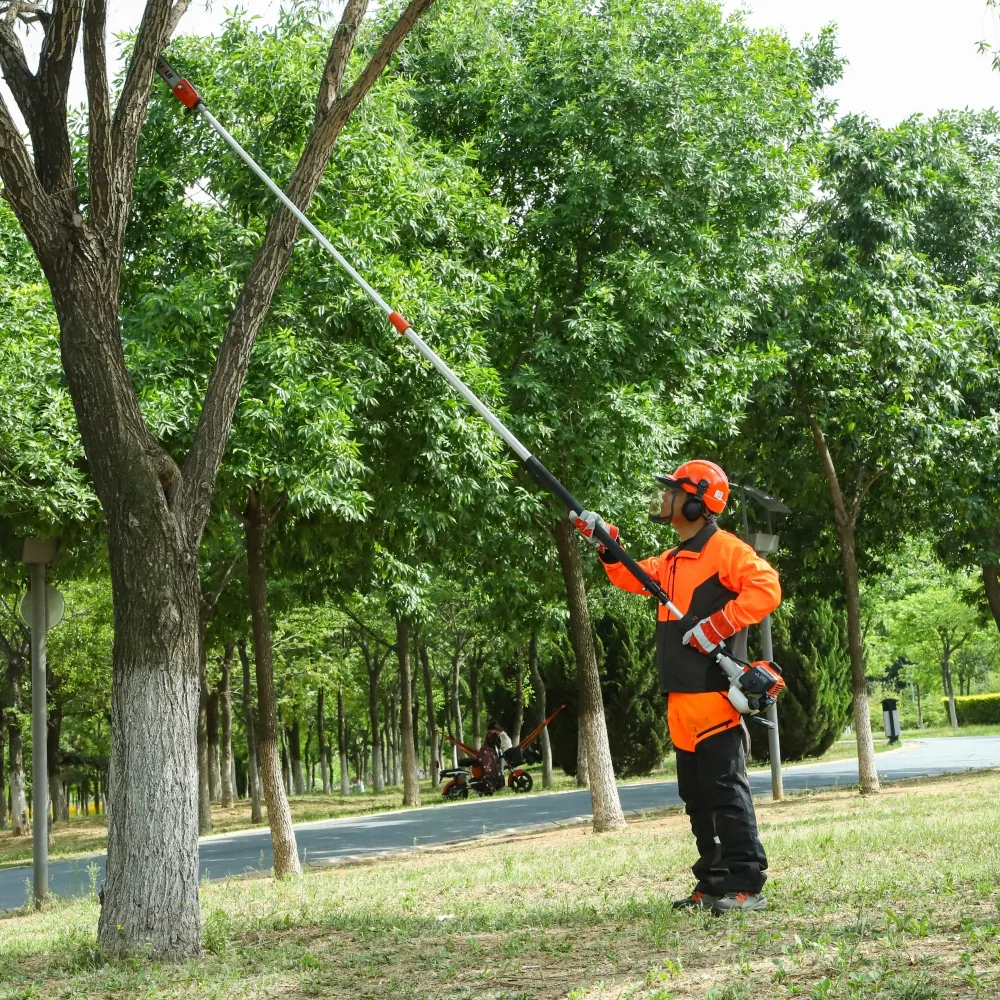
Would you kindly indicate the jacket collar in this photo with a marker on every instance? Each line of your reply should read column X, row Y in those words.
column 696, row 543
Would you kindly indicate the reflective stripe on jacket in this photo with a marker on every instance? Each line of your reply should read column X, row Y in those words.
column 713, row 571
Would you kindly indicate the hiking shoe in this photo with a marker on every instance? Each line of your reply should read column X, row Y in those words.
column 739, row 901
column 697, row 901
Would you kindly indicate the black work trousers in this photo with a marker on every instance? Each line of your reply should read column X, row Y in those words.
column 712, row 782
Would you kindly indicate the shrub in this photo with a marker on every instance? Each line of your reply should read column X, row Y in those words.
column 976, row 709
column 810, row 645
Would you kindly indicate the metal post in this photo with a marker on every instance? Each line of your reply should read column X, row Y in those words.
column 39, row 735
column 774, row 744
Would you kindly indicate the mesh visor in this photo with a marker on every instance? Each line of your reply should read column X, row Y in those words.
column 660, row 498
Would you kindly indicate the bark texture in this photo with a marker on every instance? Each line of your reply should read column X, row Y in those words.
column 279, row 816
column 605, row 803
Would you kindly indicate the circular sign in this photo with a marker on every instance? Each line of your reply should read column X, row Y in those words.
column 55, row 607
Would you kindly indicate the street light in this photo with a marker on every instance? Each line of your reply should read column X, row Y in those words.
column 764, row 544
column 42, row 609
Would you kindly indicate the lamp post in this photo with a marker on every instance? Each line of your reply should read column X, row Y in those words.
column 38, row 553
column 764, row 544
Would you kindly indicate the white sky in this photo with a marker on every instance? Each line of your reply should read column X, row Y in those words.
column 906, row 56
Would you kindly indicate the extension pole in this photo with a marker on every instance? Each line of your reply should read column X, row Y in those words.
column 189, row 97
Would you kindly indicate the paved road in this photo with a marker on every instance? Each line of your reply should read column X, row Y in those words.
column 234, row 854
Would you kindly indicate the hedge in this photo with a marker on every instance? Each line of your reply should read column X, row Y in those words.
column 976, row 709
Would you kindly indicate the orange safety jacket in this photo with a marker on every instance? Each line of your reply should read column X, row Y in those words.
column 713, row 571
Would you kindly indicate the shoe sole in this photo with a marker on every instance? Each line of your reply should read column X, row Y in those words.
column 760, row 905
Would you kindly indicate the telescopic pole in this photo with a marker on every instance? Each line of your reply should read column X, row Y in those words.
column 189, row 97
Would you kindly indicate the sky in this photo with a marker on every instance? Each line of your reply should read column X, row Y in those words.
column 906, row 56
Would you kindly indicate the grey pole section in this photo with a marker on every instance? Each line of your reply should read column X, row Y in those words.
column 774, row 743
column 39, row 735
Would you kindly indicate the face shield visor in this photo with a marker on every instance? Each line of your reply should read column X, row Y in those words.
column 662, row 500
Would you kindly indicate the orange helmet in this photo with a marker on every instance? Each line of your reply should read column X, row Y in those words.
column 706, row 483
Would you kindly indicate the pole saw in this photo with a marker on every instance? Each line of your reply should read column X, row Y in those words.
column 752, row 687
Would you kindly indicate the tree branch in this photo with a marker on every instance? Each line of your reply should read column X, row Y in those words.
column 131, row 109
column 336, row 60
column 176, row 13
column 862, row 491
column 16, row 73
column 22, row 187
column 95, row 67
column 224, row 389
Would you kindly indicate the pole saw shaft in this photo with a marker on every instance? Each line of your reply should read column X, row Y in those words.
column 189, row 97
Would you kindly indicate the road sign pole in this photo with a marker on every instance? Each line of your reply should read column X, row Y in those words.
column 39, row 734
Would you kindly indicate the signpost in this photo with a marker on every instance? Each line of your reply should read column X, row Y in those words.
column 38, row 553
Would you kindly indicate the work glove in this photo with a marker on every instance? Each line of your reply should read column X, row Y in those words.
column 585, row 522
column 709, row 632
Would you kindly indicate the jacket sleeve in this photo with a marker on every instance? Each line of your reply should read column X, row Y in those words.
column 624, row 580
column 755, row 581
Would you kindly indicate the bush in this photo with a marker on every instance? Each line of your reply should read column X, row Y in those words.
column 634, row 710
column 976, row 709
column 810, row 645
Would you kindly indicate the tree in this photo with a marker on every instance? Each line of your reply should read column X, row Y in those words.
column 647, row 155
column 861, row 361
column 810, row 645
column 155, row 507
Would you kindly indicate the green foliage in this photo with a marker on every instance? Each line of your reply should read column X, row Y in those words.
column 976, row 709
column 810, row 645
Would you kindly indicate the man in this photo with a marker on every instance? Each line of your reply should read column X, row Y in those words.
column 721, row 586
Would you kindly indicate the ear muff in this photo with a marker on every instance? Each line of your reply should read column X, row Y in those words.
column 694, row 506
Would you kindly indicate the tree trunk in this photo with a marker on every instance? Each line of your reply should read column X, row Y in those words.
column 295, row 753
column 204, row 765
column 411, row 779
column 374, row 665
column 582, row 770
column 604, row 799
column 432, row 726
column 991, row 582
column 474, row 664
column 214, row 763
column 391, row 739
column 845, row 523
column 324, row 759
column 58, row 793
column 253, row 777
column 920, row 711
column 3, row 772
column 949, row 690
column 226, row 712
column 518, row 703
column 538, row 686
column 345, row 778
column 20, row 826
column 456, row 680
column 279, row 816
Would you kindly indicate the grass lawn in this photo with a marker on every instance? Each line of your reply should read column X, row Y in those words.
column 89, row 835
column 890, row 898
